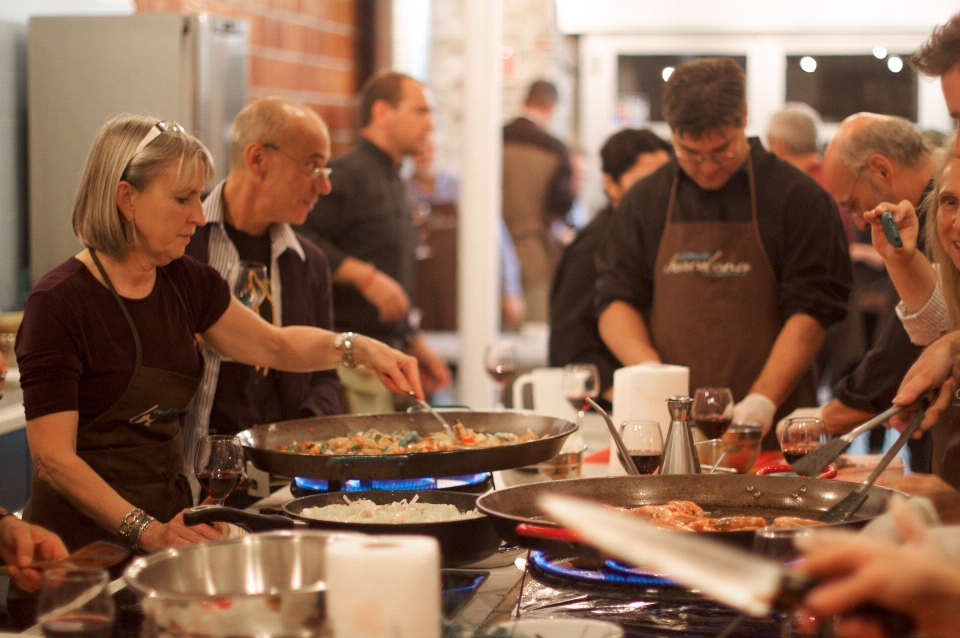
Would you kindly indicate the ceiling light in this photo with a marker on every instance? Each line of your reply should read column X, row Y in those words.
column 666, row 73
column 879, row 52
column 895, row 63
column 808, row 64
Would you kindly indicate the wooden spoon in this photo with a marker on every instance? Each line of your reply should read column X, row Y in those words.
column 96, row 555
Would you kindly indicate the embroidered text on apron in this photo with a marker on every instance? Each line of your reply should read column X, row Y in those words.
column 715, row 304
column 136, row 446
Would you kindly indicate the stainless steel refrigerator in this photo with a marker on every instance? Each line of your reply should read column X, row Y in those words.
column 84, row 70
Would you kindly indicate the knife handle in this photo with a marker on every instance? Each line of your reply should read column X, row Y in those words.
column 252, row 522
column 893, row 624
column 548, row 533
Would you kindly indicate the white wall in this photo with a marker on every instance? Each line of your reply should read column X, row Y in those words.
column 21, row 10
column 14, row 16
column 749, row 16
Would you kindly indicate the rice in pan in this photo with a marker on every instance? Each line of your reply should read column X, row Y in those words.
column 366, row 511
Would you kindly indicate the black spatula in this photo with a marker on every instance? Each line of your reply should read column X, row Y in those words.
column 849, row 504
column 811, row 464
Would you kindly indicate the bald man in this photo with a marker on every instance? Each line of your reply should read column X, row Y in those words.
column 278, row 156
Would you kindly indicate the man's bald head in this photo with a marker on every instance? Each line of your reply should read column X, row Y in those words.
column 274, row 120
column 863, row 134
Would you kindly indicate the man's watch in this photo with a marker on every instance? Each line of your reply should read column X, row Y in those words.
column 344, row 343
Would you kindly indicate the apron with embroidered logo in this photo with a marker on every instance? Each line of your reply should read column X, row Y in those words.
column 136, row 446
column 715, row 304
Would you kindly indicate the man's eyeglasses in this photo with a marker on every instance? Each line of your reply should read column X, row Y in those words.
column 155, row 131
column 310, row 168
column 700, row 160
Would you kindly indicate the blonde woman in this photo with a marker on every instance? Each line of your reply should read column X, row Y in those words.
column 107, row 351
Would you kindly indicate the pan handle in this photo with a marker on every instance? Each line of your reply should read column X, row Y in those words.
column 253, row 522
column 548, row 533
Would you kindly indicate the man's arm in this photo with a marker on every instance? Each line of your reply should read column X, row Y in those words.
column 624, row 331
column 796, row 345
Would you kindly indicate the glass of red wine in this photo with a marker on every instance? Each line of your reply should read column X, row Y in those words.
column 500, row 359
column 712, row 411
column 219, row 465
column 75, row 603
column 644, row 443
column 580, row 381
column 801, row 436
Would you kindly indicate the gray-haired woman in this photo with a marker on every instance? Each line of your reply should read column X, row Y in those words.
column 107, row 348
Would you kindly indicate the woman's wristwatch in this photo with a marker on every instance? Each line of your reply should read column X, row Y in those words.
column 4, row 513
column 344, row 343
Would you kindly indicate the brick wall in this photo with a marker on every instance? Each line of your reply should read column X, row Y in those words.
column 301, row 49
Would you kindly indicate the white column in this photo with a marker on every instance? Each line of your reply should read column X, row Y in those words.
column 478, row 280
column 410, row 37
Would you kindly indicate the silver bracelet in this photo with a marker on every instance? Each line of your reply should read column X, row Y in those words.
column 133, row 525
column 345, row 341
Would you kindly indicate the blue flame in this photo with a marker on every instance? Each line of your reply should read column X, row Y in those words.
column 353, row 485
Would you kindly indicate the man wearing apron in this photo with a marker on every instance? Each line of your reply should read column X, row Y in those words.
column 727, row 260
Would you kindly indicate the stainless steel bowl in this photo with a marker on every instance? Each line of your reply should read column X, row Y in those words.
column 743, row 446
column 267, row 584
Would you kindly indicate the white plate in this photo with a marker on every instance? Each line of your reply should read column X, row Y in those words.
column 562, row 628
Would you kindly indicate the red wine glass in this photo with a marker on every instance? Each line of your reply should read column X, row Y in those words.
column 644, row 443
column 580, row 381
column 75, row 603
column 712, row 411
column 802, row 436
column 500, row 359
column 219, row 465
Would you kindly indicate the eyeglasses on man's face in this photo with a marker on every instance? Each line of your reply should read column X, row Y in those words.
column 698, row 159
column 310, row 168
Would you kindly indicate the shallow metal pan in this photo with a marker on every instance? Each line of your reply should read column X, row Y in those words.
column 720, row 495
column 461, row 542
column 262, row 443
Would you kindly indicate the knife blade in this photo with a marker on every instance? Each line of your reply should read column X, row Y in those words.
column 726, row 574
column 748, row 582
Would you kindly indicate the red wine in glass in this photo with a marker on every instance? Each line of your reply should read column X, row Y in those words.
column 713, row 426
column 793, row 452
column 78, row 625
column 646, row 461
column 501, row 373
column 219, row 484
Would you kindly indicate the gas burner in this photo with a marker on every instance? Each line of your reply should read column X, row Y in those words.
column 471, row 483
column 607, row 578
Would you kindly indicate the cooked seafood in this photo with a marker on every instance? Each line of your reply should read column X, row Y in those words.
column 688, row 515
column 375, row 442
column 366, row 511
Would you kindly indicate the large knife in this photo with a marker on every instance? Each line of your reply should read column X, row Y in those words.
column 748, row 582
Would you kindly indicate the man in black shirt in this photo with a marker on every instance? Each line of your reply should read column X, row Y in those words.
column 626, row 157
column 537, row 190
column 727, row 260
column 366, row 229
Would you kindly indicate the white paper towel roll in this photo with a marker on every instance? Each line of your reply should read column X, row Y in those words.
column 384, row 587
column 640, row 392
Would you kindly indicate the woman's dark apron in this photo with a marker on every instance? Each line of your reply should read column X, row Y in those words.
column 136, row 446
column 715, row 304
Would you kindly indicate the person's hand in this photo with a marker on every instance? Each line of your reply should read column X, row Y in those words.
column 21, row 544
column 398, row 371
column 936, row 369
column 159, row 535
column 853, row 570
column 434, row 371
column 799, row 413
column 388, row 296
column 905, row 217
column 755, row 408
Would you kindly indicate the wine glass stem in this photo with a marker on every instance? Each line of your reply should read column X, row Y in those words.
column 500, row 406
column 786, row 626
